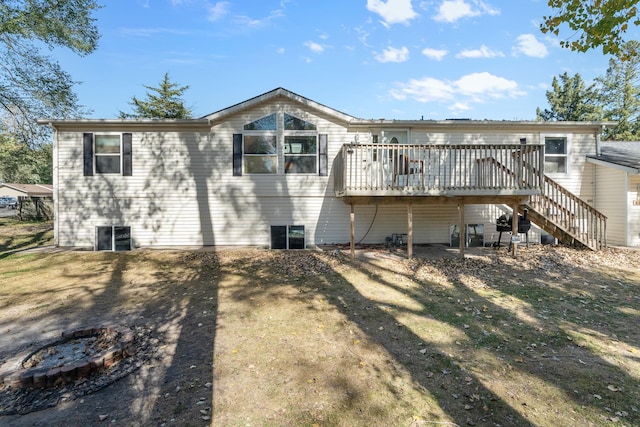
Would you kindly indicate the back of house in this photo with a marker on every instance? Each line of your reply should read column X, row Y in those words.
column 283, row 171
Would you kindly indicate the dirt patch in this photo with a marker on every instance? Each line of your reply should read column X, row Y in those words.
column 254, row 337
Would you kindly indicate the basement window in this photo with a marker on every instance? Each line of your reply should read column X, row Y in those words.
column 474, row 235
column 113, row 238
column 287, row 237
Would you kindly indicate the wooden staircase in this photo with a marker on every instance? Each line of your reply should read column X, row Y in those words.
column 567, row 217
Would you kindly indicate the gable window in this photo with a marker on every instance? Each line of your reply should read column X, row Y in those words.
column 300, row 146
column 260, row 146
column 107, row 154
column 280, row 143
column 556, row 155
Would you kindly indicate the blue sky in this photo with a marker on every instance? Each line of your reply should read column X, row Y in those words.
column 392, row 59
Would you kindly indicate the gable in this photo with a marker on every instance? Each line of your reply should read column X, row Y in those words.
column 281, row 95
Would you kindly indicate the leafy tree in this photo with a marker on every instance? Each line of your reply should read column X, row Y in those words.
column 620, row 95
column 23, row 164
column 597, row 23
column 163, row 102
column 571, row 100
column 33, row 85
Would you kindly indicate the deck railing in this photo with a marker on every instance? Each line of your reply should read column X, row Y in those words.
column 417, row 169
column 565, row 210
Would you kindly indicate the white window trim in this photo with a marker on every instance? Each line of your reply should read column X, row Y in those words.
column 313, row 133
column 95, row 153
column 280, row 135
column 385, row 135
column 266, row 133
column 568, row 137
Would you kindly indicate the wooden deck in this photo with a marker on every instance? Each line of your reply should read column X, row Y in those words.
column 392, row 170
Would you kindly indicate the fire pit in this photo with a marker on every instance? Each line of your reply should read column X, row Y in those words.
column 75, row 355
column 81, row 361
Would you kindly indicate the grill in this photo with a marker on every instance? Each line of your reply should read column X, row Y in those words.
column 504, row 223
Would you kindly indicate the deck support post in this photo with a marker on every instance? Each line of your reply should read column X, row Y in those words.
column 352, row 237
column 462, row 228
column 409, row 230
column 515, row 223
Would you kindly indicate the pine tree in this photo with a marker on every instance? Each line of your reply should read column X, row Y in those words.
column 571, row 100
column 163, row 102
column 620, row 95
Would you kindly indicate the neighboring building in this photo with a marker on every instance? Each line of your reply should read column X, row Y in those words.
column 26, row 190
column 35, row 201
column 283, row 171
column 617, row 177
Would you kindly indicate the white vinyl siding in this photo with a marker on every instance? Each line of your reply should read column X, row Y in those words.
column 611, row 200
column 633, row 216
column 183, row 192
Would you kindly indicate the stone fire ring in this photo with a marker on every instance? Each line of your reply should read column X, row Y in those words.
column 14, row 374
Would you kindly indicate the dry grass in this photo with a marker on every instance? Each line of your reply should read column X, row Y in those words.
column 252, row 337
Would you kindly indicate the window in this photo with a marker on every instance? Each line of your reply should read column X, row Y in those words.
column 294, row 123
column 107, row 154
column 280, row 143
column 265, row 123
column 474, row 235
column 287, row 237
column 556, row 158
column 260, row 154
column 300, row 154
column 300, row 145
column 113, row 238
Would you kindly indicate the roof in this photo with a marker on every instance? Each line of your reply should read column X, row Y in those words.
column 30, row 190
column 273, row 94
column 353, row 122
column 472, row 125
column 156, row 124
column 622, row 155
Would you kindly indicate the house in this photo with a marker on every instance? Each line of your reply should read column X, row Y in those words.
column 26, row 190
column 283, row 171
column 617, row 177
column 35, row 200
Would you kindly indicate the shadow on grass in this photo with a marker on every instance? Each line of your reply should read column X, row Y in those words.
column 174, row 295
column 489, row 348
column 20, row 236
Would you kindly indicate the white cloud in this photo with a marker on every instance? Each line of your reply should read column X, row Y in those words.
column 436, row 54
column 460, row 106
column 248, row 22
column 393, row 55
column 314, row 47
column 453, row 10
column 148, row 32
column 486, row 84
column 529, row 45
column 470, row 89
column 280, row 50
column 483, row 52
column 218, row 10
column 427, row 89
column 393, row 11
